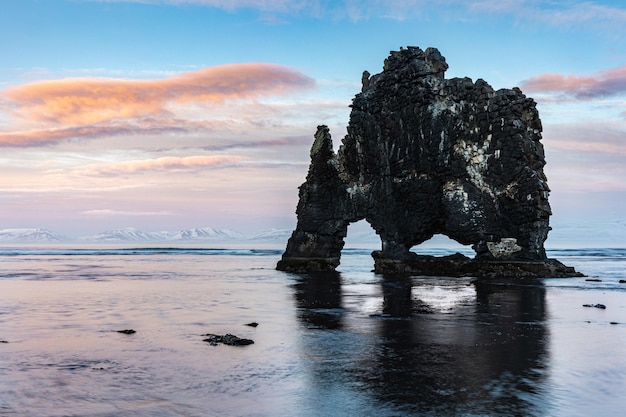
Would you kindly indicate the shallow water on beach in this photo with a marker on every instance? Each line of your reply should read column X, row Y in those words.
column 343, row 344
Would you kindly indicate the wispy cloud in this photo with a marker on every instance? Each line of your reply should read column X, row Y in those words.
column 168, row 163
column 597, row 136
column 564, row 13
column 88, row 107
column 560, row 11
column 111, row 212
column 602, row 84
column 145, row 126
column 587, row 156
column 282, row 141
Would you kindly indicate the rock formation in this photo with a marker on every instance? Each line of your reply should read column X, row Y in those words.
column 426, row 155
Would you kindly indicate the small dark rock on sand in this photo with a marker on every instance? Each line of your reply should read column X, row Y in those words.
column 227, row 339
column 127, row 331
column 253, row 324
column 600, row 306
column 593, row 280
column 622, row 281
column 4, row 341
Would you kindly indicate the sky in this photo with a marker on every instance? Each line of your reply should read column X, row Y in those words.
column 173, row 114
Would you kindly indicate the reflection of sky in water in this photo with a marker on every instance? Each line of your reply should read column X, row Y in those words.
column 444, row 298
column 440, row 298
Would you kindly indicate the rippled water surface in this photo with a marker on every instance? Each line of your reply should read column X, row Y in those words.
column 344, row 344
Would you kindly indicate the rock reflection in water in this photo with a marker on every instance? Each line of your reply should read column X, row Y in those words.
column 319, row 300
column 439, row 346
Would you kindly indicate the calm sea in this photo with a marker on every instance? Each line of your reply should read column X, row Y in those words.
column 351, row 343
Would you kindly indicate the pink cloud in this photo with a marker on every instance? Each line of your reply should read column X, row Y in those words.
column 51, row 136
column 608, row 148
column 590, row 137
column 606, row 83
column 110, row 212
column 147, row 126
column 587, row 156
column 92, row 107
column 281, row 141
column 168, row 163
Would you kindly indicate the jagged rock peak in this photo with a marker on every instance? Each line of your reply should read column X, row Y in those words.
column 410, row 63
column 415, row 62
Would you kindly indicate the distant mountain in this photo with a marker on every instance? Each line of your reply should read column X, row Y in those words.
column 133, row 235
column 271, row 235
column 129, row 234
column 598, row 233
column 205, row 233
column 31, row 236
column 194, row 235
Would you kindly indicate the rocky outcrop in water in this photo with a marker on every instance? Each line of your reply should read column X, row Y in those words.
column 227, row 339
column 427, row 155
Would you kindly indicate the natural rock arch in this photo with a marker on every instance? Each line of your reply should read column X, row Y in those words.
column 426, row 155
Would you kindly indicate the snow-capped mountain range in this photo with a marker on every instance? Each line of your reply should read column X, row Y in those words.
column 608, row 233
column 32, row 236
column 132, row 235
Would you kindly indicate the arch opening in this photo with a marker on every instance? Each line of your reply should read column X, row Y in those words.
column 361, row 235
column 442, row 245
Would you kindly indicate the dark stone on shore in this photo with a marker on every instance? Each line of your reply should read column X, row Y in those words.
column 253, row 324
column 622, row 281
column 614, row 322
column 462, row 266
column 127, row 331
column 600, row 306
column 425, row 155
column 4, row 341
column 227, row 339
column 593, row 280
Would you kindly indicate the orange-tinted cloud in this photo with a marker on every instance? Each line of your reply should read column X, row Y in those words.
column 601, row 84
column 83, row 101
column 87, row 108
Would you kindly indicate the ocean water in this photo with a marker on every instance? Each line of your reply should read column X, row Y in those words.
column 350, row 343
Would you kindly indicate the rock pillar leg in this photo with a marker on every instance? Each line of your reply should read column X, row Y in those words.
column 323, row 213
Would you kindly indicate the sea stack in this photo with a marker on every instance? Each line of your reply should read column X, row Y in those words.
column 426, row 155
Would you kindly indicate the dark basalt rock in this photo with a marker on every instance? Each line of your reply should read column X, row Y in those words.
column 127, row 331
column 227, row 339
column 427, row 155
column 452, row 266
column 600, row 306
